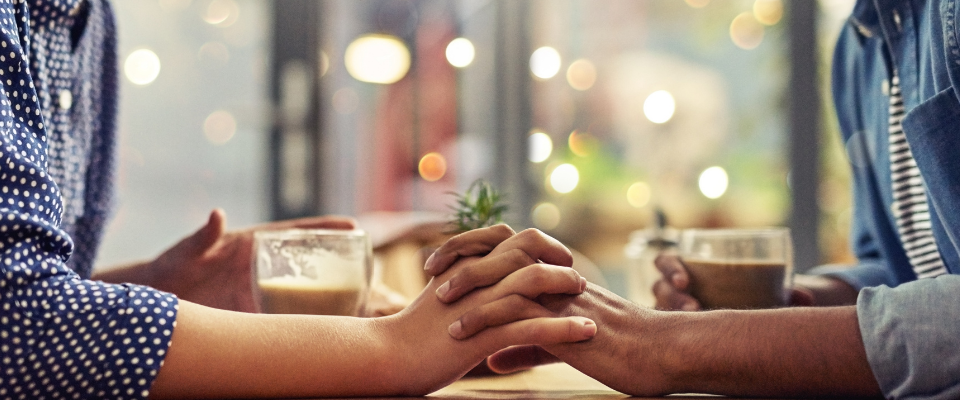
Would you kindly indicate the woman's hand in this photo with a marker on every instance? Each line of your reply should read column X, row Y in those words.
column 505, row 252
column 212, row 267
column 420, row 335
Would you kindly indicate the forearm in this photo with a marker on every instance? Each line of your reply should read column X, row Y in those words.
column 785, row 352
column 138, row 272
column 223, row 354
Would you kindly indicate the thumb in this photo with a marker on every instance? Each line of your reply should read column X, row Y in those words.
column 802, row 297
column 519, row 358
column 205, row 237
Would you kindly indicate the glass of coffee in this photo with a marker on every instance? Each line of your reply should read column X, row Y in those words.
column 738, row 268
column 319, row 272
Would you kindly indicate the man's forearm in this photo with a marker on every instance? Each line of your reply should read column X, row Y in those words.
column 792, row 352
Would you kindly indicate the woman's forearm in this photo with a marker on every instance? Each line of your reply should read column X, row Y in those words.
column 794, row 352
column 223, row 354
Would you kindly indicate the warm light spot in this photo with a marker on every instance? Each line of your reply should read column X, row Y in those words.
column 581, row 74
column 564, row 178
column 582, row 143
column 545, row 62
column 219, row 127
column 142, row 67
column 460, row 52
column 659, row 107
column 638, row 194
column 540, row 147
column 324, row 63
column 746, row 32
column 698, row 3
column 713, row 182
column 377, row 59
column 768, row 12
column 432, row 167
column 222, row 13
column 545, row 216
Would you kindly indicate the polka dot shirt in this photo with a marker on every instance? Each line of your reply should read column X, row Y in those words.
column 62, row 336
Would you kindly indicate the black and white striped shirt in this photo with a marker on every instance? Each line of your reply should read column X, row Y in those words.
column 910, row 207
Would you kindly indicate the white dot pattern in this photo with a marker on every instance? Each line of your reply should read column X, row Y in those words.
column 61, row 337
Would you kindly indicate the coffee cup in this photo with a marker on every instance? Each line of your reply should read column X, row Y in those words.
column 738, row 268
column 317, row 272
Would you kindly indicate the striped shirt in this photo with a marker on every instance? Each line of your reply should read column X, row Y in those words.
column 910, row 207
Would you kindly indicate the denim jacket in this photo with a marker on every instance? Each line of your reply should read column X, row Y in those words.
column 910, row 328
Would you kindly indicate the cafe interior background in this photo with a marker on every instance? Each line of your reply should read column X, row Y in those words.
column 589, row 115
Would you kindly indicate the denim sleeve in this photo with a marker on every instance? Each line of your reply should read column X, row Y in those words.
column 911, row 334
column 868, row 273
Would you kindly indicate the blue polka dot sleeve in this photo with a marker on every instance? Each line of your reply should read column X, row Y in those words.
column 61, row 336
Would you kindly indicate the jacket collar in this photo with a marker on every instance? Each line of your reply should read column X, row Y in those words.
column 865, row 18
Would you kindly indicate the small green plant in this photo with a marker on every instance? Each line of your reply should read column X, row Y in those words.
column 480, row 206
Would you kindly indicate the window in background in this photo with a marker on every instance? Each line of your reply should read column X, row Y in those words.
column 192, row 120
column 591, row 117
column 669, row 105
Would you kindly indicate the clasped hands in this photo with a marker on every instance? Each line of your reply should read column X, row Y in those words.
column 625, row 338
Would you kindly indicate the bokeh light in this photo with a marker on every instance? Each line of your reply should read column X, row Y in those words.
column 659, row 107
column 581, row 143
column 219, row 127
column 222, row 13
column 142, row 67
column 460, row 52
column 545, row 216
column 638, row 194
column 713, row 182
column 545, row 62
column 540, row 147
column 564, row 178
column 698, row 3
column 432, row 167
column 380, row 59
column 746, row 32
column 581, row 74
column 324, row 63
column 768, row 12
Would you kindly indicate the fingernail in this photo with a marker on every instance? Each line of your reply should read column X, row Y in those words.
column 427, row 265
column 583, row 284
column 589, row 328
column 455, row 329
column 443, row 289
column 689, row 307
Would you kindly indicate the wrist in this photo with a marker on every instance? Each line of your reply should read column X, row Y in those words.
column 827, row 291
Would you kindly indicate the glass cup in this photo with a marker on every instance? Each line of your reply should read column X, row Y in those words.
column 319, row 272
column 738, row 268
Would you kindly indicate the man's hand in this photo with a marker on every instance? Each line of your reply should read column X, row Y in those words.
column 212, row 267
column 672, row 292
column 755, row 353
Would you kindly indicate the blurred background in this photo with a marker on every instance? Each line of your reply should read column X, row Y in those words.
column 588, row 115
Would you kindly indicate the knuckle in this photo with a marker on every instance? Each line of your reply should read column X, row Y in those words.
column 531, row 234
column 502, row 230
column 520, row 257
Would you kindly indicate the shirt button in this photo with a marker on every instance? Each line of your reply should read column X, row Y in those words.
column 896, row 20
column 65, row 99
column 885, row 87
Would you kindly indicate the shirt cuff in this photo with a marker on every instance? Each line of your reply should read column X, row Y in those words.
column 910, row 336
